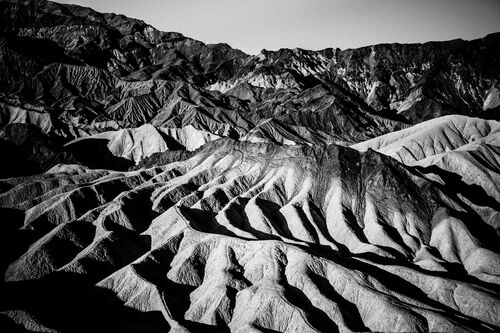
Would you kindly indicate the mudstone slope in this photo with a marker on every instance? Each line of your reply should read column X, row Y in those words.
column 155, row 183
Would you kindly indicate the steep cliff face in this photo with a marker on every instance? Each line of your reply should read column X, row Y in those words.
column 155, row 183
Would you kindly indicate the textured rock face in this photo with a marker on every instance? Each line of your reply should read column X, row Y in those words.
column 155, row 183
column 244, row 235
column 457, row 151
column 74, row 72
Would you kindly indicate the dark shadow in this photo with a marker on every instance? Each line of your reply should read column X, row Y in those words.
column 403, row 287
column 176, row 296
column 44, row 51
column 305, row 81
column 352, row 223
column 454, row 185
column 239, row 219
column 264, row 329
column 308, row 225
column 18, row 164
column 95, row 154
column 30, row 151
column 60, row 249
column 348, row 310
column 12, row 242
column 272, row 212
column 164, row 158
column 492, row 114
column 155, row 268
column 118, row 249
column 395, row 236
column 454, row 270
column 172, row 144
column 30, row 157
column 320, row 222
column 137, row 207
column 12, row 219
column 8, row 325
column 71, row 303
column 203, row 220
column 202, row 328
column 315, row 316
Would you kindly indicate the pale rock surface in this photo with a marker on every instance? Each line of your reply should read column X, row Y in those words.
column 455, row 151
column 136, row 144
column 492, row 100
column 189, row 137
column 246, row 236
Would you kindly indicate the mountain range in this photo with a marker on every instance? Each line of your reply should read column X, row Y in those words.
column 151, row 182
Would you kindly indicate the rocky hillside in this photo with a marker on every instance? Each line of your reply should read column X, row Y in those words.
column 154, row 183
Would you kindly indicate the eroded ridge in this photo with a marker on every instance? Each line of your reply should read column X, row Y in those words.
column 245, row 236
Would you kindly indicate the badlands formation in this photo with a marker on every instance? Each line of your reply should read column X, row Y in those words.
column 153, row 183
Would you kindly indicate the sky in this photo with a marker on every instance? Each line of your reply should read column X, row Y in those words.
column 253, row 25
